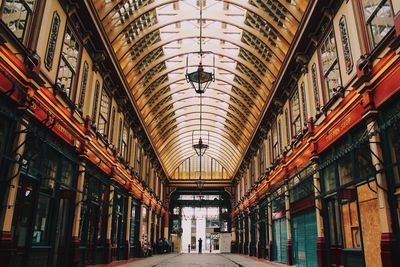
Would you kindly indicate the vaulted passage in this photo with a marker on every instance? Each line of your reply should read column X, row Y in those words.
column 243, row 132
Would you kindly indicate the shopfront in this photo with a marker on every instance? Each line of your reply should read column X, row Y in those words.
column 118, row 226
column 253, row 229
column 94, row 213
column 263, row 230
column 303, row 218
column 134, row 229
column 390, row 124
column 46, row 186
column 279, row 229
column 349, row 200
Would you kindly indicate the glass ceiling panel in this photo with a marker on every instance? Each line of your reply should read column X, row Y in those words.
column 153, row 39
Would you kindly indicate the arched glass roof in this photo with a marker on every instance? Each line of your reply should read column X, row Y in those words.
column 151, row 40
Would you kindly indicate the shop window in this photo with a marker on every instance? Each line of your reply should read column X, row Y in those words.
column 301, row 184
column 50, row 172
column 328, row 174
column 104, row 113
column 344, row 163
column 345, row 166
column 295, row 111
column 69, row 62
column 41, row 221
column 378, row 18
column 67, row 173
column 334, row 221
column 16, row 15
column 330, row 64
column 133, row 231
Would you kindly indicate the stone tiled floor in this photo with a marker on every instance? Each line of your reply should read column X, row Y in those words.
column 197, row 260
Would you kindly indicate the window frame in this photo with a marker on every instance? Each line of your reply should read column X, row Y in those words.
column 75, row 73
column 28, row 21
column 293, row 118
column 101, row 116
column 367, row 34
column 327, row 97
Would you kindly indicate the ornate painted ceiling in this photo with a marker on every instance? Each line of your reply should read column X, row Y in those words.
column 152, row 39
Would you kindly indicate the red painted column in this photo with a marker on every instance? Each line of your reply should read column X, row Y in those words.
column 6, row 248
column 321, row 251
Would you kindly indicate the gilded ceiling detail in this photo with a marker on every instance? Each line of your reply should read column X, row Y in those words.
column 152, row 39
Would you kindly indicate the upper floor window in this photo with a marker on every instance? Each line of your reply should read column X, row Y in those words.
column 295, row 110
column 16, row 14
column 69, row 62
column 275, row 142
column 379, row 19
column 330, row 64
column 104, row 112
column 124, row 143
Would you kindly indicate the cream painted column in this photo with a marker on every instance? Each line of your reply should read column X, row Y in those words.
column 78, row 207
column 109, row 224
column 12, row 190
column 155, row 228
column 389, row 252
column 149, row 233
column 289, row 260
column 321, row 251
column 142, row 206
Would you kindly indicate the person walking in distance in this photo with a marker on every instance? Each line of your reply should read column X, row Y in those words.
column 200, row 243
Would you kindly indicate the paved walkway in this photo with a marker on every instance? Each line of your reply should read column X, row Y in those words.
column 197, row 260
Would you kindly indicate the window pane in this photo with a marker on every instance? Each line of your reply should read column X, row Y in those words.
column 69, row 61
column 345, row 169
column 328, row 175
column 15, row 15
column 332, row 79
column 379, row 18
column 328, row 52
column 40, row 230
column 104, row 110
column 65, row 75
column 334, row 223
column 295, row 108
column 330, row 64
